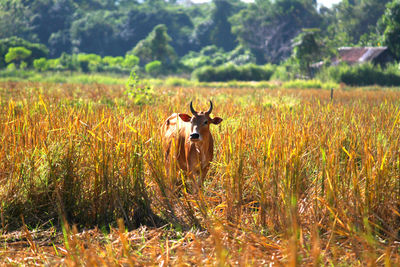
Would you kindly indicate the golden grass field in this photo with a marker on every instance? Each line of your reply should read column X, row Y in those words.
column 296, row 179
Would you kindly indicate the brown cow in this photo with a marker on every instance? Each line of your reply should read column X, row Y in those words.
column 191, row 140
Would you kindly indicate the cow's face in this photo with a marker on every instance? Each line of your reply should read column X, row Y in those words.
column 200, row 123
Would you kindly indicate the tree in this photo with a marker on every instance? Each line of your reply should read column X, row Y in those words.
column 391, row 22
column 14, row 19
column 50, row 16
column 38, row 50
column 268, row 27
column 17, row 55
column 141, row 20
column 94, row 33
column 355, row 21
column 307, row 49
column 60, row 42
column 217, row 30
column 156, row 47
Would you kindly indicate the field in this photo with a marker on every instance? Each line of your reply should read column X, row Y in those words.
column 297, row 179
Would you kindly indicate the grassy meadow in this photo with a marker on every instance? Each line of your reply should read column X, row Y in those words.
column 297, row 179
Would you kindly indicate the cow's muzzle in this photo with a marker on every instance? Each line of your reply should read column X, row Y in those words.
column 194, row 137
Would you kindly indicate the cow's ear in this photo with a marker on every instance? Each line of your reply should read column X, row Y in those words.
column 185, row 117
column 216, row 120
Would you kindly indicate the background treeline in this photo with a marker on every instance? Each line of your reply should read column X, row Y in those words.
column 177, row 37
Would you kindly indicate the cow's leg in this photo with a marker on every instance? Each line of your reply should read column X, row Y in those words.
column 202, row 177
column 194, row 169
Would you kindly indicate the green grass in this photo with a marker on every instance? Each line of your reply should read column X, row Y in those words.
column 62, row 77
column 114, row 79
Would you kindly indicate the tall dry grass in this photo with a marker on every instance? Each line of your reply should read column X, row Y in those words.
column 296, row 178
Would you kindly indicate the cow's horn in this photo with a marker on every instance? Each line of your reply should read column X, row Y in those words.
column 192, row 109
column 210, row 109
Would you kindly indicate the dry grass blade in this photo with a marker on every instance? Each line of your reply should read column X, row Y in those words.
column 297, row 179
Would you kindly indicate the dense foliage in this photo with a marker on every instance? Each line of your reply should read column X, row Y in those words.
column 229, row 72
column 365, row 74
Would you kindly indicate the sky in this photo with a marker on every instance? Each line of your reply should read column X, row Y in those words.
column 328, row 3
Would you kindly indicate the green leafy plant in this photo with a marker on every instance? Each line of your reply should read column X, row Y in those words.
column 230, row 72
column 307, row 49
column 130, row 61
column 138, row 91
column 40, row 64
column 154, row 68
column 17, row 54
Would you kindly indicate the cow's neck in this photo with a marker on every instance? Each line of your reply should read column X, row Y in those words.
column 202, row 147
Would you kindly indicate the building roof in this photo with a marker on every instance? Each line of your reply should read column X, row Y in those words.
column 354, row 55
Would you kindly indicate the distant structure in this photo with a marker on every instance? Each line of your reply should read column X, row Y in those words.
column 358, row 55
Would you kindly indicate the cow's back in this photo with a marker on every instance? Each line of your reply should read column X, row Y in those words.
column 174, row 135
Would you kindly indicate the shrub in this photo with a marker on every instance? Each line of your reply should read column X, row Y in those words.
column 193, row 61
column 11, row 67
column 229, row 72
column 40, row 64
column 241, row 56
column 204, row 74
column 175, row 81
column 54, row 64
column 153, row 68
column 23, row 65
column 214, row 56
column 112, row 61
column 37, row 50
column 69, row 62
column 17, row 54
column 362, row 75
column 130, row 61
column 84, row 66
column 89, row 62
column 210, row 50
column 138, row 91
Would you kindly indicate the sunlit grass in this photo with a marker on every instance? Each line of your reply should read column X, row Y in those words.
column 120, row 79
column 296, row 178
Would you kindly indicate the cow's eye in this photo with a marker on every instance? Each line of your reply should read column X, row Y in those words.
column 205, row 122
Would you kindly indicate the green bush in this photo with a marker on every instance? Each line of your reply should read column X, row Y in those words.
column 282, row 73
column 89, row 62
column 17, row 55
column 11, row 67
column 119, row 65
column 40, row 64
column 204, row 74
column 37, row 50
column 138, row 91
column 23, row 65
column 54, row 64
column 362, row 75
column 69, row 62
column 112, row 61
column 213, row 56
column 176, row 81
column 153, row 68
column 130, row 61
column 229, row 72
